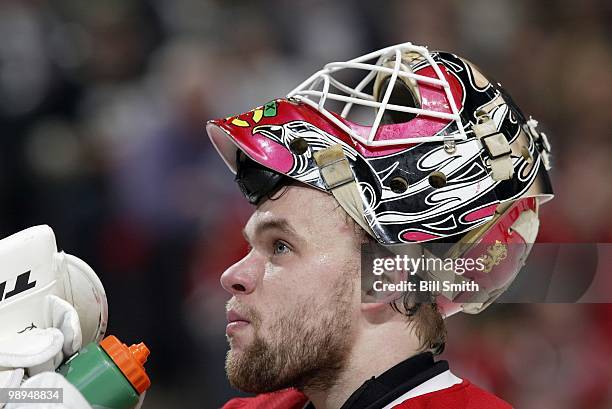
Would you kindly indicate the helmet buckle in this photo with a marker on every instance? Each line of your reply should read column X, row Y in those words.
column 496, row 147
column 450, row 146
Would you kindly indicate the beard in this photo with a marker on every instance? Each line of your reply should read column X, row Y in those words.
column 310, row 347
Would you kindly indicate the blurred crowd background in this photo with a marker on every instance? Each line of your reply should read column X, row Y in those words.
column 102, row 113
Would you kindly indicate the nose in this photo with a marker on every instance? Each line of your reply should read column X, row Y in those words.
column 241, row 278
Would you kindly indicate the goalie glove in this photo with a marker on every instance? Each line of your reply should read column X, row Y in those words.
column 51, row 303
column 31, row 268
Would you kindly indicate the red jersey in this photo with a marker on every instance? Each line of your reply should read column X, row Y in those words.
column 416, row 383
column 464, row 395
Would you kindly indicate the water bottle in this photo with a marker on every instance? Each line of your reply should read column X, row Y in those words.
column 110, row 375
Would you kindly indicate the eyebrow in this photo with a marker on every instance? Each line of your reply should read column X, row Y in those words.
column 273, row 224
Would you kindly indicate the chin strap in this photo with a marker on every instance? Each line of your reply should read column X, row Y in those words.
column 338, row 177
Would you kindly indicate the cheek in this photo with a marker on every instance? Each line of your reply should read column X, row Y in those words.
column 279, row 290
column 281, row 277
column 334, row 263
column 303, row 280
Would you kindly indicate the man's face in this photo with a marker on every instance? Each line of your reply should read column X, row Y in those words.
column 295, row 295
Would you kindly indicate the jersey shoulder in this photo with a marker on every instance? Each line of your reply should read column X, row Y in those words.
column 283, row 399
column 464, row 395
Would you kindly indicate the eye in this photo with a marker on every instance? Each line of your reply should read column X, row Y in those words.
column 281, row 247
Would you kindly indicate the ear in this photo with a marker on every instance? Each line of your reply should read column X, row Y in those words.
column 378, row 291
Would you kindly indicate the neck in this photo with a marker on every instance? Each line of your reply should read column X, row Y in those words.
column 376, row 349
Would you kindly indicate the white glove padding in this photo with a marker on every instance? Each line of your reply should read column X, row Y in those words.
column 41, row 349
column 72, row 398
column 11, row 378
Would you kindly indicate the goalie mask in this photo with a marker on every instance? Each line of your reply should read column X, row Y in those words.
column 416, row 146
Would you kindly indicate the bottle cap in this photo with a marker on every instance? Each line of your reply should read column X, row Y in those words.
column 129, row 360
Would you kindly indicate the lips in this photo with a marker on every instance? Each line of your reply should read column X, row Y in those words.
column 233, row 316
column 235, row 322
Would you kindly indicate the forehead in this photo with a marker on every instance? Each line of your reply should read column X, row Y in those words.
column 308, row 211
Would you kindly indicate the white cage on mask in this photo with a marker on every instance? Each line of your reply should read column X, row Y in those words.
column 323, row 86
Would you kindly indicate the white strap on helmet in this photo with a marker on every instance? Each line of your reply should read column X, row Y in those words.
column 497, row 147
column 336, row 172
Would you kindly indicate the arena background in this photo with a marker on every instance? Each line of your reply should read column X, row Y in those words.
column 102, row 113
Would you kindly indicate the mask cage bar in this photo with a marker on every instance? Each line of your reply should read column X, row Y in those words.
column 307, row 93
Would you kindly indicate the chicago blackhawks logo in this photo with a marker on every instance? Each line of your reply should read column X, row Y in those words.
column 496, row 253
